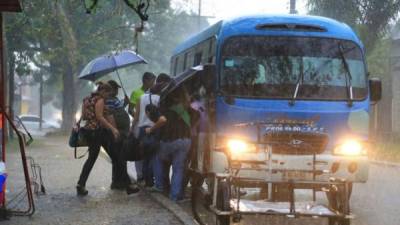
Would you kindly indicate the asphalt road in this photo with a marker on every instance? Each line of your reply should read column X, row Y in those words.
column 61, row 206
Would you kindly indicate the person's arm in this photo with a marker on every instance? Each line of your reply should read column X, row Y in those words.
column 99, row 108
column 136, row 114
column 111, row 119
column 126, row 100
column 162, row 120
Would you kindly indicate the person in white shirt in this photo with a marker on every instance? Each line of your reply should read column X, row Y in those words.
column 142, row 121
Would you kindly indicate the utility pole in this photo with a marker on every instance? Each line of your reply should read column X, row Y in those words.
column 40, row 101
column 199, row 16
column 293, row 7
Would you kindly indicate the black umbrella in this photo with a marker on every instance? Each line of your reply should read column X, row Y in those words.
column 199, row 75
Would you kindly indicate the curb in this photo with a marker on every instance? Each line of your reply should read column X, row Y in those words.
column 171, row 206
column 385, row 163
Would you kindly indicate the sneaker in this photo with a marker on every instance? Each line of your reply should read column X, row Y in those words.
column 154, row 189
column 132, row 189
column 81, row 191
column 141, row 183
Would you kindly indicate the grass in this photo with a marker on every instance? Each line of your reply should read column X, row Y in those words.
column 386, row 151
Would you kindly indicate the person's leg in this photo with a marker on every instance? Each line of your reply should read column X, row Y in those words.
column 139, row 170
column 161, row 157
column 188, row 161
column 110, row 146
column 121, row 177
column 94, row 149
column 181, row 150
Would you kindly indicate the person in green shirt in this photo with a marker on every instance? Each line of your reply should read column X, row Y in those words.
column 147, row 82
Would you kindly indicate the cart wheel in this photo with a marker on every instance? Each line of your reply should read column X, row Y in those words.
column 223, row 202
column 337, row 202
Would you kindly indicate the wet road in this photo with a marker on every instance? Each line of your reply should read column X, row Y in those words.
column 376, row 202
column 61, row 205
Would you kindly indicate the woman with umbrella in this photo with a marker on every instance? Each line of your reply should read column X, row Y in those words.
column 120, row 177
column 94, row 113
column 95, row 105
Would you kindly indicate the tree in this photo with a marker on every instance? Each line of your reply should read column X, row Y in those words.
column 59, row 37
column 370, row 18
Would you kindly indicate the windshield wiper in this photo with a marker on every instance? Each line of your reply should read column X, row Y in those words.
column 348, row 78
column 298, row 83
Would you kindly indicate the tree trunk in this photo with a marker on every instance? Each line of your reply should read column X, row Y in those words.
column 68, row 106
column 70, row 44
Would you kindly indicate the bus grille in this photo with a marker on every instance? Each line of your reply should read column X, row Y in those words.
column 297, row 143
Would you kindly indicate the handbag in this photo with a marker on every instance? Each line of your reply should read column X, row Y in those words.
column 150, row 143
column 77, row 139
column 131, row 149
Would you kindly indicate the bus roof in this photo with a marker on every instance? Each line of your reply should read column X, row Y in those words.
column 246, row 25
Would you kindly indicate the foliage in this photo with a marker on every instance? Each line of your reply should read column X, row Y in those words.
column 379, row 58
column 58, row 38
column 370, row 18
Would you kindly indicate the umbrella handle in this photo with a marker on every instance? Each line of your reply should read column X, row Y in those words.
column 119, row 78
column 120, row 81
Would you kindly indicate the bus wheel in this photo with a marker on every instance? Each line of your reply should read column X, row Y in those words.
column 223, row 202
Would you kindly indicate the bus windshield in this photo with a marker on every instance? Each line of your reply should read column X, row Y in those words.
column 272, row 67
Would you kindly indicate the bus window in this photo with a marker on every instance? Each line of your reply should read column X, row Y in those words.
column 175, row 65
column 211, row 51
column 285, row 60
column 197, row 59
column 190, row 59
column 185, row 61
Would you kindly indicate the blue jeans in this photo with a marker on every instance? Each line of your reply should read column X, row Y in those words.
column 175, row 153
column 148, row 161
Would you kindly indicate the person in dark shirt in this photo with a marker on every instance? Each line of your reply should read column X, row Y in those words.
column 120, row 119
column 174, row 125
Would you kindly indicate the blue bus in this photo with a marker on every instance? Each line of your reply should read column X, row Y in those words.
column 288, row 109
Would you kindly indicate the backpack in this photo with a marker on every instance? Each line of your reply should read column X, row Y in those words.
column 88, row 107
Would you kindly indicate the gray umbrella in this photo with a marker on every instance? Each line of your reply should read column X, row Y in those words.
column 106, row 64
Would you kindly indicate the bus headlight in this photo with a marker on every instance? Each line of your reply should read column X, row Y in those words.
column 350, row 148
column 237, row 147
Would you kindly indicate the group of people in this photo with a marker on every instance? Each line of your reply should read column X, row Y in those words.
column 163, row 130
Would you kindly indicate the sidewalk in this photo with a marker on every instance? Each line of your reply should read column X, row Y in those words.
column 61, row 205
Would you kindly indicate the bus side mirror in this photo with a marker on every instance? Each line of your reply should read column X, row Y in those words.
column 209, row 77
column 375, row 90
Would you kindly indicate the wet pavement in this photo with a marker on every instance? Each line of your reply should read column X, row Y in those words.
column 60, row 205
column 373, row 203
